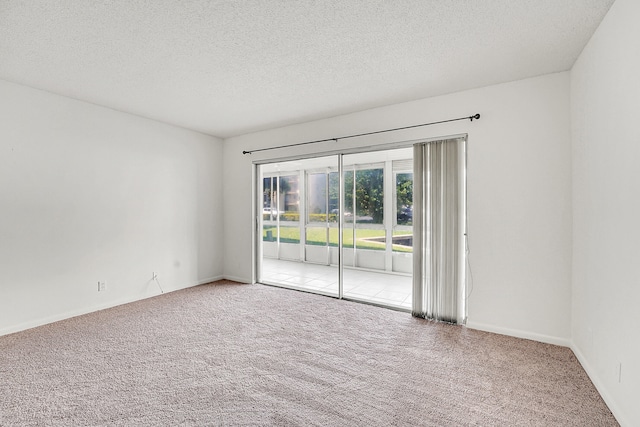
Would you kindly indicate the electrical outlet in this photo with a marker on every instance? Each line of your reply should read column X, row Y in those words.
column 102, row 286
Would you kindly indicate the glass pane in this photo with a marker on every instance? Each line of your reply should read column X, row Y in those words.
column 347, row 237
column 369, row 196
column 348, row 228
column 404, row 198
column 289, row 234
column 348, row 196
column 334, row 197
column 402, row 241
column 267, row 195
column 372, row 239
column 316, row 236
column 269, row 233
column 317, row 197
column 289, row 198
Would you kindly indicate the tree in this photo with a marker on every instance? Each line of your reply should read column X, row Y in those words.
column 369, row 193
column 404, row 192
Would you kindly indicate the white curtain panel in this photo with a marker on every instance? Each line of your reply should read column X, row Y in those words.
column 439, row 200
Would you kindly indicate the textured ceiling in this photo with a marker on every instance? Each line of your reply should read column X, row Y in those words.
column 231, row 67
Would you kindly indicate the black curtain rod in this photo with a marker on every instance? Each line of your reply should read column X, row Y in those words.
column 475, row 116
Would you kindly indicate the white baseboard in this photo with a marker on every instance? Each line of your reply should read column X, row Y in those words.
column 68, row 314
column 548, row 339
column 86, row 310
column 591, row 373
column 238, row 279
column 210, row 280
column 606, row 396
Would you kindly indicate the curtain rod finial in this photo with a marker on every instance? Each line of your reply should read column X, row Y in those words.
column 246, row 152
column 475, row 116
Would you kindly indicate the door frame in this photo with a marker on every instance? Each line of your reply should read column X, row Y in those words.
column 257, row 187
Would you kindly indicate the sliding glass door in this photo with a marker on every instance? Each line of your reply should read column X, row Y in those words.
column 299, row 224
column 304, row 208
column 377, row 251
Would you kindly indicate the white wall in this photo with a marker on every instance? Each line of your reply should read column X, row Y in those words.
column 605, row 101
column 89, row 194
column 519, row 194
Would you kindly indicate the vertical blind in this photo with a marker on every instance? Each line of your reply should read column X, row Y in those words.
column 439, row 172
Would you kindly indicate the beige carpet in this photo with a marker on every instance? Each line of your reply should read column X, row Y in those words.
column 230, row 354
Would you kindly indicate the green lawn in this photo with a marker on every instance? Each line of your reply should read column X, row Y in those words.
column 318, row 236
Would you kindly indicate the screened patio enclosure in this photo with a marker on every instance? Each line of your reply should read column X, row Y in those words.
column 339, row 225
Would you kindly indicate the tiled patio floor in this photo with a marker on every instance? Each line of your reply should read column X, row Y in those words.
column 389, row 289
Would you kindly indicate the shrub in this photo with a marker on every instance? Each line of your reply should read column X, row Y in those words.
column 290, row 216
column 322, row 217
